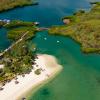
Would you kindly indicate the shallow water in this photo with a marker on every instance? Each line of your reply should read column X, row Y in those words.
column 80, row 78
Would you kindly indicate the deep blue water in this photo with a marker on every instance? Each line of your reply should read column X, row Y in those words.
column 48, row 12
column 4, row 42
column 79, row 78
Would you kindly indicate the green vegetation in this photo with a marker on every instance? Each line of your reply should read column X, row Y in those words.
column 18, row 23
column 2, row 23
column 17, row 33
column 84, row 29
column 10, row 4
column 18, row 59
column 17, row 28
column 94, row 2
column 38, row 72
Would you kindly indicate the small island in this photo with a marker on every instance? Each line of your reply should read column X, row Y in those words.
column 10, row 4
column 83, row 27
column 20, row 53
column 21, row 68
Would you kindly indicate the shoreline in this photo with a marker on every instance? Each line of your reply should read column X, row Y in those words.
column 18, row 6
column 50, row 68
column 29, row 94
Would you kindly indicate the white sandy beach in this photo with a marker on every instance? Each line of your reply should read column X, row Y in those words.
column 49, row 67
column 1, row 66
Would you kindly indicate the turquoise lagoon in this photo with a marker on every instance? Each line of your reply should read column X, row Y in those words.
column 80, row 78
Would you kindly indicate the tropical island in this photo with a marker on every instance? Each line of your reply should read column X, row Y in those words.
column 22, row 69
column 18, row 54
column 83, row 27
column 20, row 62
column 10, row 4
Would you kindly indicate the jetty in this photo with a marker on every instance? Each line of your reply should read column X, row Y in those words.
column 42, row 28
